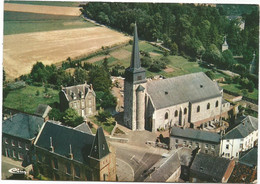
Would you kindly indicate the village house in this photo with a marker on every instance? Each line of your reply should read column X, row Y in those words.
column 241, row 138
column 185, row 101
column 81, row 97
column 64, row 153
column 19, row 132
column 206, row 142
column 212, row 169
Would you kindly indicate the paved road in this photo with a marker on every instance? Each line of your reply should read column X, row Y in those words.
column 7, row 164
column 135, row 160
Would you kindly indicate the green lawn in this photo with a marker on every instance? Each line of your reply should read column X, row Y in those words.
column 106, row 126
column 47, row 3
column 26, row 100
column 237, row 89
column 20, row 22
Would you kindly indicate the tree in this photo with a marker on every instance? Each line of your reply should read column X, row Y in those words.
column 174, row 48
column 146, row 61
column 56, row 114
column 210, row 74
column 103, row 115
column 105, row 99
column 228, row 58
column 250, row 86
column 80, row 76
column 212, row 55
column 71, row 118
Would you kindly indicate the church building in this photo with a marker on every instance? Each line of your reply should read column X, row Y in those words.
column 185, row 101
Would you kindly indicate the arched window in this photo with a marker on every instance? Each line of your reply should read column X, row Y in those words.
column 198, row 109
column 216, row 104
column 166, row 115
column 185, row 111
column 208, row 106
column 176, row 113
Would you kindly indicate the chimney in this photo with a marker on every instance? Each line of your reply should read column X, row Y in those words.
column 11, row 116
column 51, row 146
column 91, row 87
column 71, row 154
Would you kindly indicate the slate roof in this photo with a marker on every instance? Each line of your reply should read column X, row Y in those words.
column 250, row 158
column 42, row 110
column 83, row 127
column 247, row 126
column 22, row 125
column 62, row 137
column 162, row 170
column 207, row 167
column 76, row 91
column 193, row 134
column 99, row 148
column 192, row 88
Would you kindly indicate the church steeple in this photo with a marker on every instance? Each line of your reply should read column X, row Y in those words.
column 135, row 60
column 135, row 73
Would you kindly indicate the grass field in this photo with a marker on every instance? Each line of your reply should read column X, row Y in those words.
column 237, row 89
column 47, row 3
column 178, row 65
column 21, row 22
column 26, row 100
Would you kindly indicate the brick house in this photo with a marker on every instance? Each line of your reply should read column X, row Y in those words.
column 64, row 153
column 81, row 97
column 19, row 132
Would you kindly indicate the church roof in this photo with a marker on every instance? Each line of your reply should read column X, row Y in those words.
column 22, row 125
column 192, row 88
column 246, row 127
column 135, row 60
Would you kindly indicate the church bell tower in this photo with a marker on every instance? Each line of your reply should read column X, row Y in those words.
column 134, row 90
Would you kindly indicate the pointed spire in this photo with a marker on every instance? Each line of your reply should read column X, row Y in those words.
column 135, row 60
column 99, row 147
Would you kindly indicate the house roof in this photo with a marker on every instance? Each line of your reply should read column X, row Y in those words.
column 243, row 174
column 209, row 168
column 192, row 88
column 84, row 128
column 246, row 127
column 99, row 147
column 77, row 91
column 193, row 134
column 249, row 158
column 162, row 170
column 22, row 125
column 62, row 138
column 42, row 110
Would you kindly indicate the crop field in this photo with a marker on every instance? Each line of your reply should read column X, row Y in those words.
column 26, row 100
column 21, row 22
column 21, row 51
column 47, row 3
column 42, row 9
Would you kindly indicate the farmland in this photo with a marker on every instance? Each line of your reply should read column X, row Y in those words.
column 47, row 3
column 21, row 22
column 21, row 51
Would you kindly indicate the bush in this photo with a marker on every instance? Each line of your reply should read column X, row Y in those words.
column 103, row 115
column 16, row 85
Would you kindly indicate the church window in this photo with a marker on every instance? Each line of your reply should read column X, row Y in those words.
column 176, row 113
column 216, row 104
column 55, row 163
column 77, row 171
column 198, row 109
column 166, row 115
column 208, row 106
column 185, row 111
column 68, row 168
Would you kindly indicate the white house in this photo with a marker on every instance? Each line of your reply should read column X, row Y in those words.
column 240, row 138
